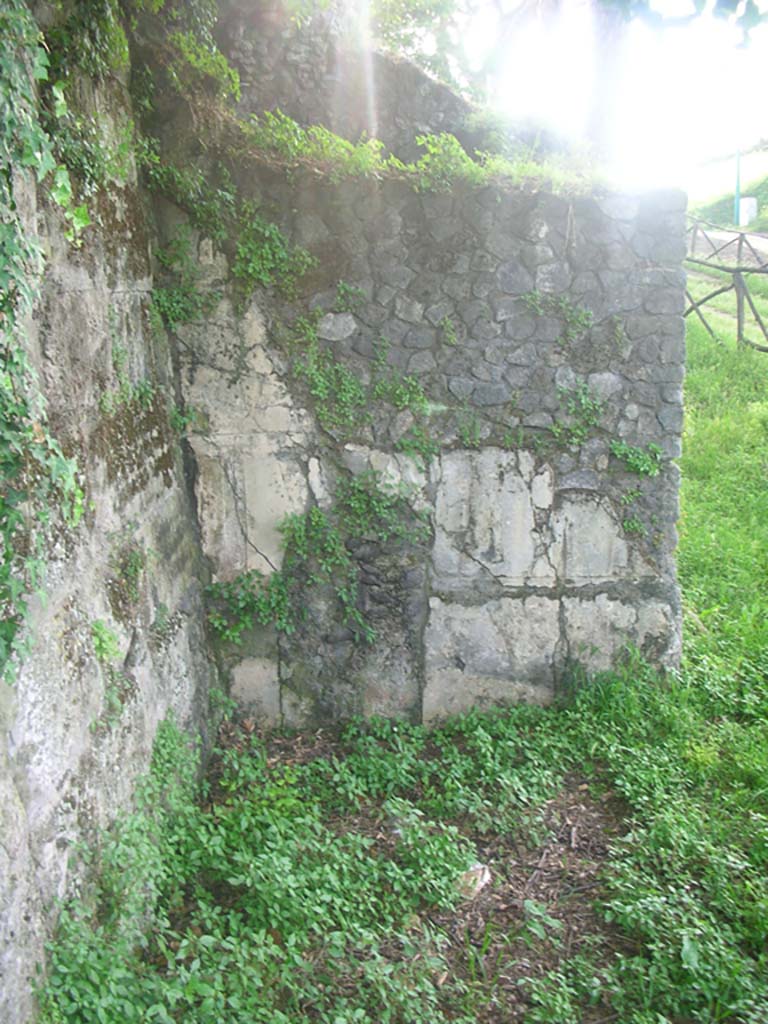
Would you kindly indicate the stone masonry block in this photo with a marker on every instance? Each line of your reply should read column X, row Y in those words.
column 485, row 655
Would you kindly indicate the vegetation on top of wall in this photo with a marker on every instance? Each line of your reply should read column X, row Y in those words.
column 279, row 137
column 38, row 481
column 442, row 166
column 201, row 61
column 262, row 255
column 316, row 545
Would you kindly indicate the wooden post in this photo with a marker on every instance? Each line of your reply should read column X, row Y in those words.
column 738, row 281
column 758, row 318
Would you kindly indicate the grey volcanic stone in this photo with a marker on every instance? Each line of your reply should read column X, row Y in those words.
column 336, row 326
column 515, row 279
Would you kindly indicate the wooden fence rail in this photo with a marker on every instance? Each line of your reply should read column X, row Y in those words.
column 710, row 247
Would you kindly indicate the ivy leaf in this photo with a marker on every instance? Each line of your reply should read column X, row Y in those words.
column 60, row 107
column 80, row 218
column 61, row 190
column 690, row 953
column 45, row 163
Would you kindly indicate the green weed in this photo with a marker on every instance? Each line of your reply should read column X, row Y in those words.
column 643, row 461
column 470, row 430
column 264, row 257
column 199, row 61
column 448, row 332
column 633, row 525
column 105, row 642
column 340, row 397
column 349, row 298
column 583, row 412
column 419, row 442
column 316, row 553
column 576, row 319
column 181, row 301
column 341, row 400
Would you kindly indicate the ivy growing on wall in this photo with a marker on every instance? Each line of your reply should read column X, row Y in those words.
column 316, row 545
column 262, row 255
column 576, row 319
column 37, row 481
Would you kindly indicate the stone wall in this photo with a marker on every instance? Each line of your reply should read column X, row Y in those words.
column 545, row 551
column 319, row 73
column 490, row 407
column 77, row 730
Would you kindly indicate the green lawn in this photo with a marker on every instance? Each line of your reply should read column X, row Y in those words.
column 626, row 830
column 720, row 211
column 723, row 558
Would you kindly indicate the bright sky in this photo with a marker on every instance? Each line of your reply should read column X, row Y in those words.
column 685, row 95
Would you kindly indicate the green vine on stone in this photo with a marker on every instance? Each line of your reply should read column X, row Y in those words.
column 349, row 298
column 36, row 479
column 316, row 545
column 262, row 254
column 469, row 429
column 577, row 320
column 211, row 209
column 633, row 525
column 181, row 301
column 401, row 391
column 91, row 39
column 340, row 398
column 643, row 461
column 583, row 411
column 448, row 333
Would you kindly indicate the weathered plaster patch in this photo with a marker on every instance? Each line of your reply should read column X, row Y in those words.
column 495, row 653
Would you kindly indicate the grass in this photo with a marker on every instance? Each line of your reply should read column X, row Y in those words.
column 724, row 545
column 626, row 830
column 720, row 211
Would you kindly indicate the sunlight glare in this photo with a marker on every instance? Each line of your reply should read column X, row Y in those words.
column 544, row 59
column 684, row 95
